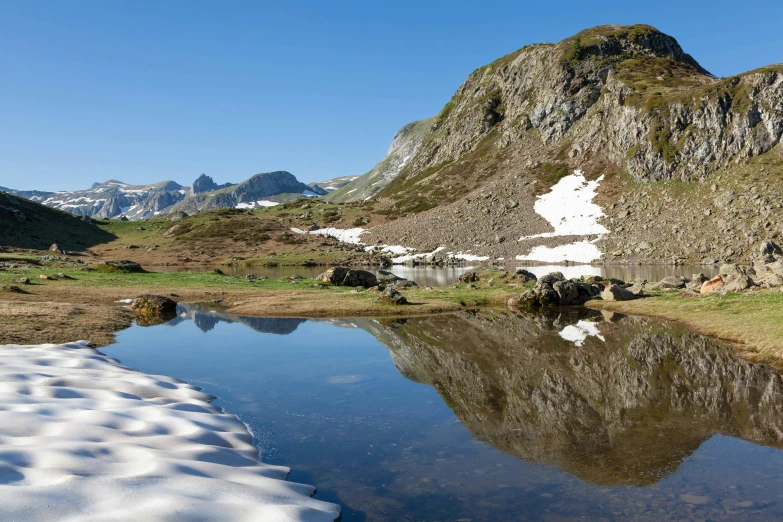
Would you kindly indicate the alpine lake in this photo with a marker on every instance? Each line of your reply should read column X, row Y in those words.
column 490, row 415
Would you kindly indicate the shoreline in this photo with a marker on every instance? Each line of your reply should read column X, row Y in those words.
column 86, row 304
column 158, row 446
column 751, row 323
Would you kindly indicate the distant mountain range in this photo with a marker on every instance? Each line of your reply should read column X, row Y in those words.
column 114, row 199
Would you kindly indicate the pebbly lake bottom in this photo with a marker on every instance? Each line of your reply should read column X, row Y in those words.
column 490, row 415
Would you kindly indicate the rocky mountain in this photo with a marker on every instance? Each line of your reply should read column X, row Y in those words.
column 261, row 190
column 402, row 149
column 680, row 165
column 332, row 184
column 114, row 199
column 205, row 183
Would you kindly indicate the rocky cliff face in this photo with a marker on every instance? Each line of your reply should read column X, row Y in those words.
column 623, row 102
column 402, row 149
column 205, row 183
column 597, row 411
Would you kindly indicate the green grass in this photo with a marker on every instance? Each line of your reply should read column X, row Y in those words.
column 752, row 320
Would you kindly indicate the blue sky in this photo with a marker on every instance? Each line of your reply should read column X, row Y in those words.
column 144, row 91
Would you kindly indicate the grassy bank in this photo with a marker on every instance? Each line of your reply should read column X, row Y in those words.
column 84, row 304
column 752, row 321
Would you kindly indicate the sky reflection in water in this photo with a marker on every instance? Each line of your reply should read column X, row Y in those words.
column 490, row 416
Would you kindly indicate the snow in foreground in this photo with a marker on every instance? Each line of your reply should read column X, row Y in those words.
column 569, row 209
column 85, row 439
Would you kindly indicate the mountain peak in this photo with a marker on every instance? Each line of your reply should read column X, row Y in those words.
column 622, row 42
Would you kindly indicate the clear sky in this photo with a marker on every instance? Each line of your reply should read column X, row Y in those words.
column 148, row 90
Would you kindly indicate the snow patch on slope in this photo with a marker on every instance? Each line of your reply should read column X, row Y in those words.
column 569, row 209
column 85, row 439
column 257, row 204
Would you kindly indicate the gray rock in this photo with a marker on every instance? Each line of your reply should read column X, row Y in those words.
column 392, row 296
column 617, row 293
column 736, row 278
column 671, row 282
column 469, row 277
column 525, row 276
column 334, row 276
column 360, row 278
column 22, row 280
column 567, row 292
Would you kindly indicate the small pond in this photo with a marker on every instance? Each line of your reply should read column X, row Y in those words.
column 488, row 416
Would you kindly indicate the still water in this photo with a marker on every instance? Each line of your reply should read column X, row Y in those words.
column 442, row 276
column 491, row 416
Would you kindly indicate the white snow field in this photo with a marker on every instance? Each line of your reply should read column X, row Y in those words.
column 85, row 439
column 569, row 208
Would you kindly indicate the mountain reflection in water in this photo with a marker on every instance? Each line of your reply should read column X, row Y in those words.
column 623, row 404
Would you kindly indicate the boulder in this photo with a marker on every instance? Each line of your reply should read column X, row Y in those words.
column 151, row 305
column 392, row 296
column 334, row 276
column 56, row 248
column 11, row 289
column 402, row 283
column 636, row 289
column 696, row 281
column 736, row 278
column 617, row 293
column 469, row 277
column 384, row 276
column 360, row 278
column 550, row 279
column 770, row 251
column 122, row 265
column 713, row 286
column 22, row 280
column 671, row 282
column 524, row 276
column 567, row 292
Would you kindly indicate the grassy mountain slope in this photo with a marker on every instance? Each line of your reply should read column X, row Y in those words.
column 29, row 225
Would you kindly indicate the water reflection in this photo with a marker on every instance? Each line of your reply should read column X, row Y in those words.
column 625, row 407
column 491, row 415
